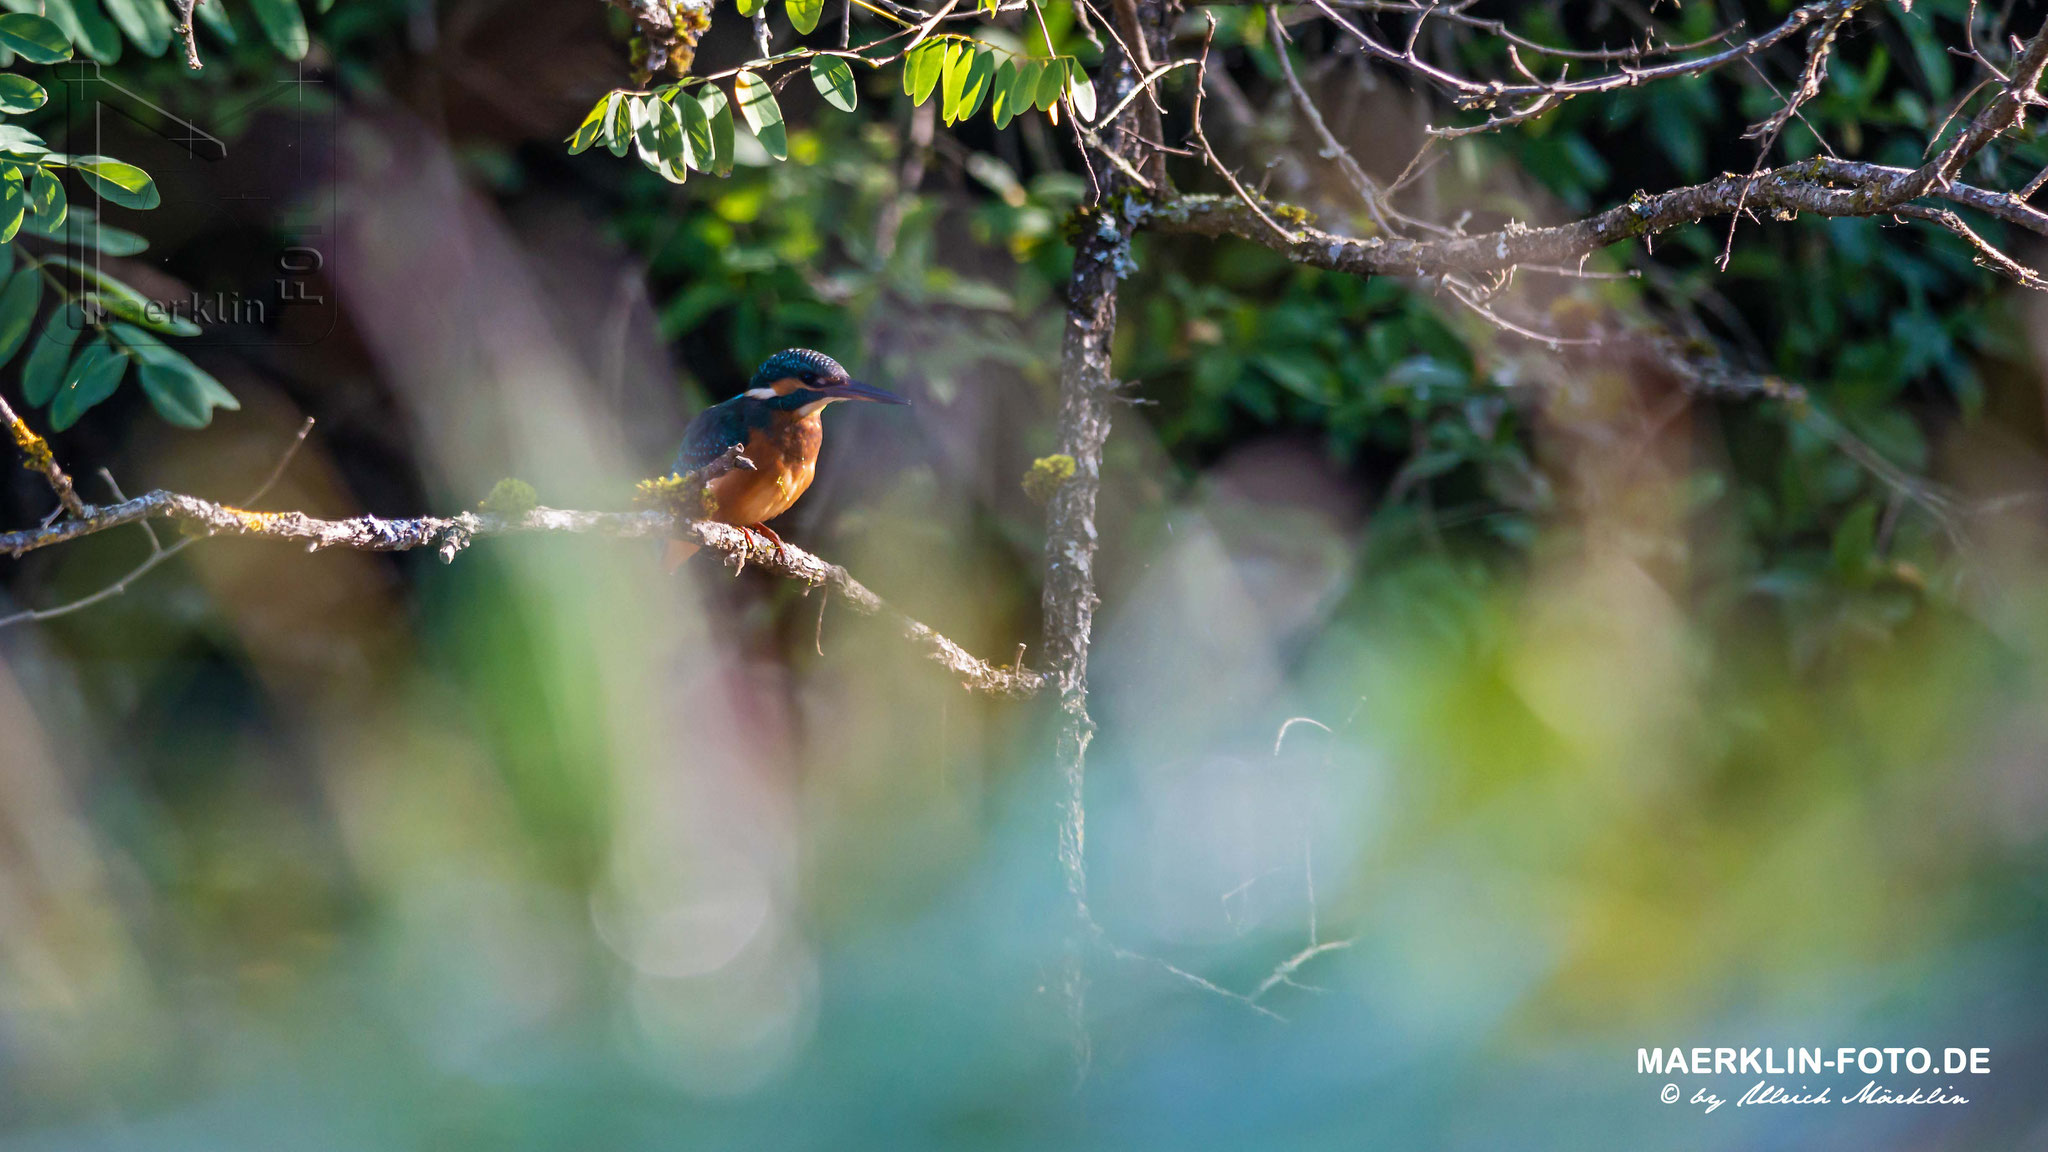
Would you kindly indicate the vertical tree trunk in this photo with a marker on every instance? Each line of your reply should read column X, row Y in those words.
column 1087, row 389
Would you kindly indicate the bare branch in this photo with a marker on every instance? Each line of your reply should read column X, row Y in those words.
column 1283, row 972
column 1818, row 47
column 1209, row 154
column 2005, row 110
column 283, row 462
column 1988, row 256
column 1541, row 96
column 1334, row 149
column 41, row 460
column 157, row 552
column 203, row 518
column 186, row 34
column 1809, row 186
column 2011, row 207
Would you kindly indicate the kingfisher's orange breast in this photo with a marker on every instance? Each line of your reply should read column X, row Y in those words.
column 785, row 456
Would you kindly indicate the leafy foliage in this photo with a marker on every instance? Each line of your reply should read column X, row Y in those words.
column 117, row 324
column 1439, row 410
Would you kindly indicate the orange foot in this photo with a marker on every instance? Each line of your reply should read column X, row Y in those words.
column 781, row 550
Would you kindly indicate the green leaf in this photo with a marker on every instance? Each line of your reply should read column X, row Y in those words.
column 1052, row 84
column 82, row 228
column 662, row 145
column 1002, row 107
column 91, row 378
column 118, row 299
column 81, row 22
column 1081, row 93
column 675, row 144
column 749, row 7
column 145, row 346
column 804, row 14
column 592, row 128
column 762, row 113
column 645, row 116
column 18, row 303
column 974, row 88
column 33, row 38
column 46, row 203
column 6, row 261
column 51, row 351
column 21, row 143
column 124, row 184
column 137, row 310
column 145, row 22
column 283, row 24
column 953, row 78
column 719, row 112
column 618, row 123
column 20, row 94
column 182, row 393
column 698, row 149
column 921, row 70
column 834, row 80
column 1025, row 95
column 13, row 206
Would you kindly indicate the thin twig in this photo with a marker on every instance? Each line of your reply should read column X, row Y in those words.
column 1541, row 96
column 1209, row 154
column 1333, row 148
column 186, row 33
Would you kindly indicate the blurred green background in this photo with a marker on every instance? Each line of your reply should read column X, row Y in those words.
column 1640, row 718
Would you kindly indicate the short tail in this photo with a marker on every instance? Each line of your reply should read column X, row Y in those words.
column 678, row 552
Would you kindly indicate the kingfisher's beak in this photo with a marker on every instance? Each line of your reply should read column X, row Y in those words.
column 855, row 390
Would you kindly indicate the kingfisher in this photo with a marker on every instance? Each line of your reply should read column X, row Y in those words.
column 777, row 424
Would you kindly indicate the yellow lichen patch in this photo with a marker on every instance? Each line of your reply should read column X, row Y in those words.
column 1046, row 475
column 675, row 494
column 1293, row 214
column 252, row 521
column 33, row 446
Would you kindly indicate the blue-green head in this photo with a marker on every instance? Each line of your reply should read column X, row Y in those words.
column 796, row 379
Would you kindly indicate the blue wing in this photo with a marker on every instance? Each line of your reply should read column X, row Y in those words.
column 713, row 431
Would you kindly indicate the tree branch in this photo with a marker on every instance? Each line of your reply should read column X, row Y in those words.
column 1823, row 187
column 1088, row 387
column 39, row 459
column 187, row 35
column 2004, row 111
column 450, row 534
